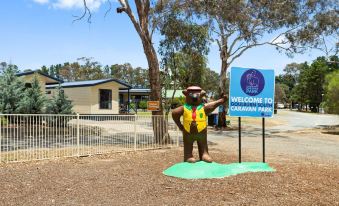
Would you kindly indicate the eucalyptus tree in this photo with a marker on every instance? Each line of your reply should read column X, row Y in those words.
column 144, row 16
column 288, row 25
column 183, row 49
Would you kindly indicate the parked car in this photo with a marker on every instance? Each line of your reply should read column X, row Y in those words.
column 280, row 106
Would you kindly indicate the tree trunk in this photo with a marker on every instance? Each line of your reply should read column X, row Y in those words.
column 160, row 127
column 222, row 86
column 154, row 72
column 141, row 25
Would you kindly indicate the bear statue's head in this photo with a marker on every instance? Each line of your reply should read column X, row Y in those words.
column 194, row 95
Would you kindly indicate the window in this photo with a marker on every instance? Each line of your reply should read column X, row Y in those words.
column 121, row 98
column 105, row 99
column 48, row 92
column 28, row 85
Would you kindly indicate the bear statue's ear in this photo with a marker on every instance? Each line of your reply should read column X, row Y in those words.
column 222, row 95
column 203, row 93
column 185, row 92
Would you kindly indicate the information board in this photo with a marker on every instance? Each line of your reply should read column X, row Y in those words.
column 251, row 92
column 153, row 105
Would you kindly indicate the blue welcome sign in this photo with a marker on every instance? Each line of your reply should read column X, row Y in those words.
column 251, row 92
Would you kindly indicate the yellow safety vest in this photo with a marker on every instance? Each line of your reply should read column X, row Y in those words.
column 199, row 116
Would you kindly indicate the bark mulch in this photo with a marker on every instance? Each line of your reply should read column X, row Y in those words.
column 136, row 178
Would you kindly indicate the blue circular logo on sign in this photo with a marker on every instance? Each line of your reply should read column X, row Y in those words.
column 252, row 82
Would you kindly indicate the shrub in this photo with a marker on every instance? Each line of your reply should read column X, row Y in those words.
column 331, row 102
column 59, row 104
column 11, row 90
column 33, row 101
column 143, row 104
column 3, row 121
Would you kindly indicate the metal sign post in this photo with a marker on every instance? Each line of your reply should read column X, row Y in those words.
column 263, row 139
column 239, row 121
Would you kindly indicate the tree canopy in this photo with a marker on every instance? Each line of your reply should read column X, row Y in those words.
column 239, row 25
column 87, row 69
column 11, row 88
column 331, row 98
column 33, row 100
column 306, row 83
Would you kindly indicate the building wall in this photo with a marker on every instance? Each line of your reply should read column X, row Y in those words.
column 80, row 97
column 95, row 98
column 42, row 80
column 85, row 100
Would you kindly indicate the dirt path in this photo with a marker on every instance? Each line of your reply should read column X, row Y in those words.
column 136, row 179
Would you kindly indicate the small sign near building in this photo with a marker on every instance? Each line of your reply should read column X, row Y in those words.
column 251, row 92
column 153, row 105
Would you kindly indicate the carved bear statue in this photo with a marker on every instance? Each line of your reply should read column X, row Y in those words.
column 194, row 126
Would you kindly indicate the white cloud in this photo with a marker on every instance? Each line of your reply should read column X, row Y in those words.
column 41, row 1
column 71, row 4
column 93, row 5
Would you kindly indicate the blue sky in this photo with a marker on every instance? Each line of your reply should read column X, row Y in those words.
column 40, row 32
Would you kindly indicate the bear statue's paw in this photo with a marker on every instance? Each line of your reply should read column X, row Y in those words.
column 190, row 160
column 206, row 158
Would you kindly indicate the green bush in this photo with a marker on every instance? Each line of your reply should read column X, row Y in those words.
column 143, row 104
column 178, row 101
column 132, row 106
column 11, row 90
column 33, row 100
column 3, row 121
column 59, row 104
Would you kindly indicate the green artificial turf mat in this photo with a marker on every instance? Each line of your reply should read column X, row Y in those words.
column 204, row 170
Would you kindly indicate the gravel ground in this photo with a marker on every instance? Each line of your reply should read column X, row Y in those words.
column 136, row 179
column 304, row 144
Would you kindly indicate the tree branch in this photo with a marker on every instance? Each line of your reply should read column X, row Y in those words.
column 109, row 9
column 78, row 18
column 128, row 10
column 260, row 44
column 241, row 48
column 252, row 32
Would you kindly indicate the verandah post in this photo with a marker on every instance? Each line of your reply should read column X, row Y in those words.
column 135, row 132
column 78, row 135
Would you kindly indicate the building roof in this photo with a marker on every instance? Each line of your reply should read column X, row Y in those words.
column 169, row 93
column 39, row 72
column 137, row 90
column 87, row 83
